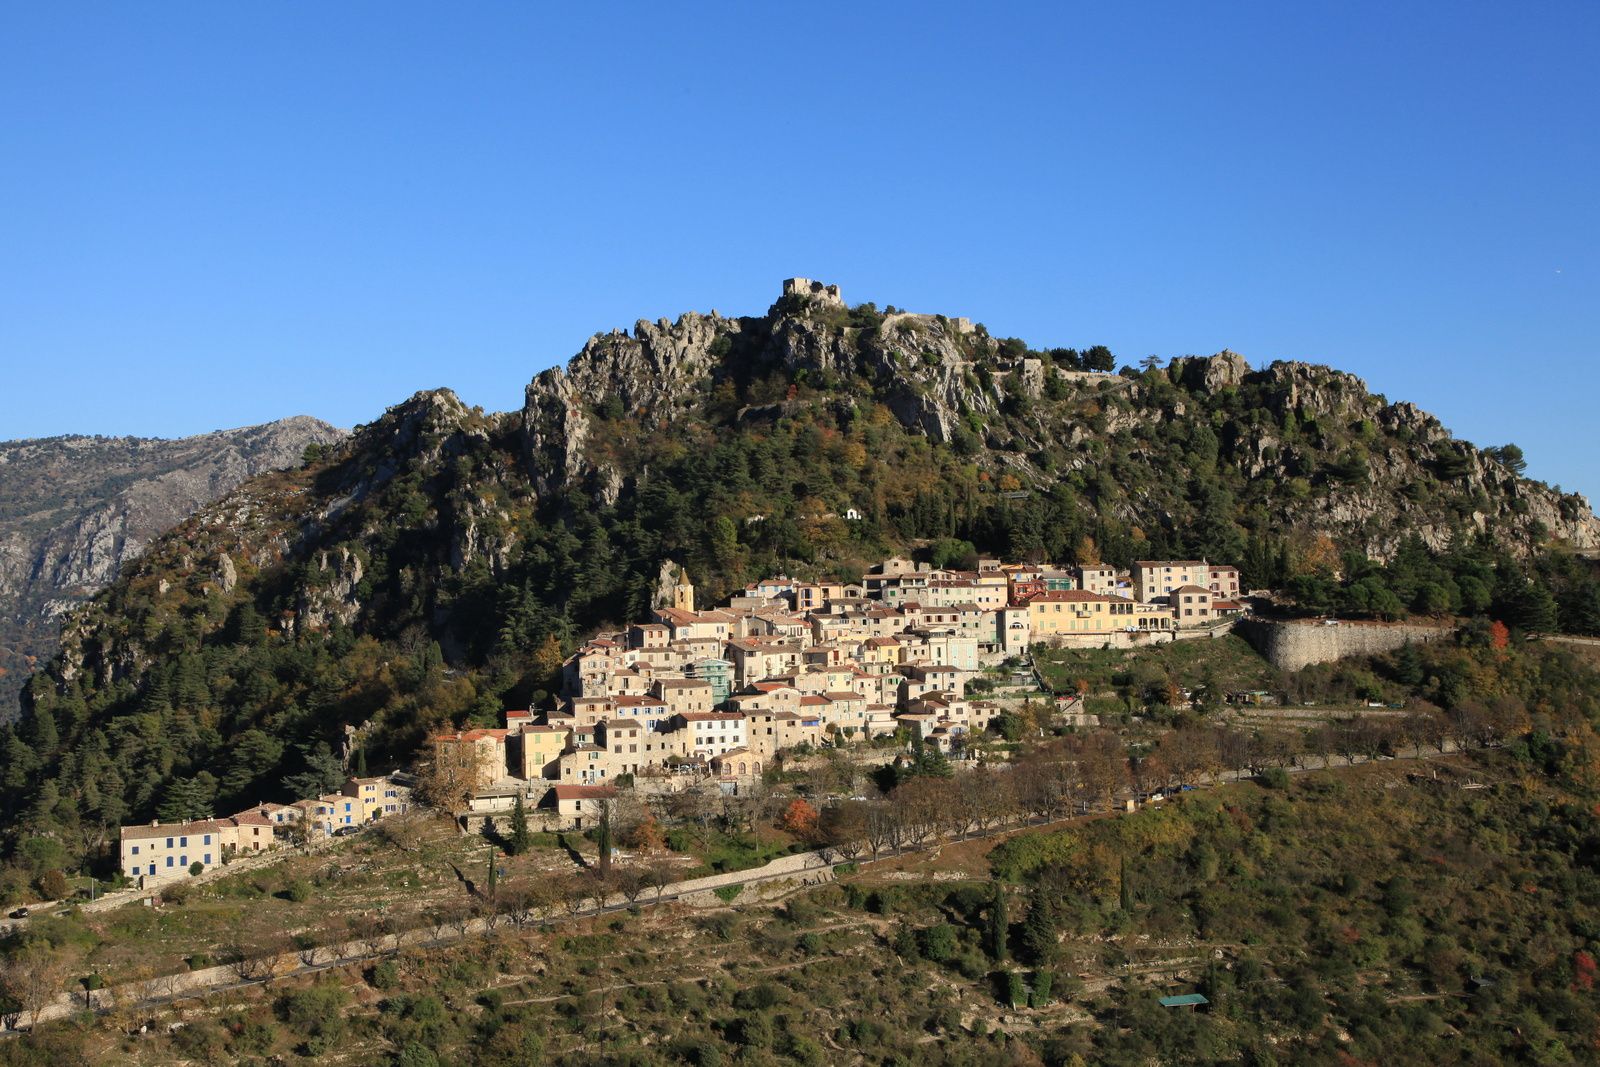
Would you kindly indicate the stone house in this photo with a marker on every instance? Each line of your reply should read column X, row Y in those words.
column 712, row 733
column 1191, row 605
column 577, row 807
column 1156, row 579
column 486, row 749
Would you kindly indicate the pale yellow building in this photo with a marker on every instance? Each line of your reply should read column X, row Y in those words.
column 1074, row 612
column 1156, row 579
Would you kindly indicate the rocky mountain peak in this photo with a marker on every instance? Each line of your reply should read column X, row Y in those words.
column 76, row 510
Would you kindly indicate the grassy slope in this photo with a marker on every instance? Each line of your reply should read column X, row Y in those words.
column 1228, row 662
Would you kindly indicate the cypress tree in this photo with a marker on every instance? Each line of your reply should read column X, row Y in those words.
column 602, row 838
column 494, row 873
column 1039, row 929
column 520, row 837
column 999, row 924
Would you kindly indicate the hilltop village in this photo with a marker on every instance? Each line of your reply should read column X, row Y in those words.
column 716, row 694
column 695, row 694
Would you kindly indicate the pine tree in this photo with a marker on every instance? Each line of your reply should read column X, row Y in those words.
column 43, row 728
column 520, row 839
column 251, row 628
column 999, row 924
column 20, row 762
column 323, row 773
column 1408, row 666
column 193, row 691
column 185, row 799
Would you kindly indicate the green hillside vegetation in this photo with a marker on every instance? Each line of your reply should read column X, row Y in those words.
column 431, row 570
column 1210, row 669
column 1436, row 911
column 1391, row 913
column 1432, row 922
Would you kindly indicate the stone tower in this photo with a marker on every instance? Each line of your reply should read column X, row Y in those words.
column 683, row 592
column 823, row 294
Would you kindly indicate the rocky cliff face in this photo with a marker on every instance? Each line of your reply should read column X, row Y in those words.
column 75, row 510
column 1325, row 454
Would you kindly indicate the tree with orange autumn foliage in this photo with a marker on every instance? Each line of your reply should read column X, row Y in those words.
column 800, row 819
column 1499, row 636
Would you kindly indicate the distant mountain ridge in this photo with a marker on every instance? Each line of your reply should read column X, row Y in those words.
column 75, row 509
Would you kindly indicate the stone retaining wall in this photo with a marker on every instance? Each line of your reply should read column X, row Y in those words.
column 1290, row 646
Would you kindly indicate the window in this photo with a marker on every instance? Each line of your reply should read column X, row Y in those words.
column 135, row 850
column 208, row 857
column 183, row 841
column 206, row 841
column 169, row 842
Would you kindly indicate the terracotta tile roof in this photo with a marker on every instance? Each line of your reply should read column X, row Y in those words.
column 172, row 829
column 583, row 792
column 1075, row 596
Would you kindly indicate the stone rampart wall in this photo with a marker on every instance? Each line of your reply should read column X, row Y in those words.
column 1290, row 646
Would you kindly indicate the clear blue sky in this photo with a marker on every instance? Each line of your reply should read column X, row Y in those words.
column 219, row 214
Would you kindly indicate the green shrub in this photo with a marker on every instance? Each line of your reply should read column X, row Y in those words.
column 727, row 893
column 385, row 975
column 939, row 942
column 315, row 1013
column 905, row 943
column 758, row 997
column 415, row 1055
column 1275, row 778
column 254, row 1037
